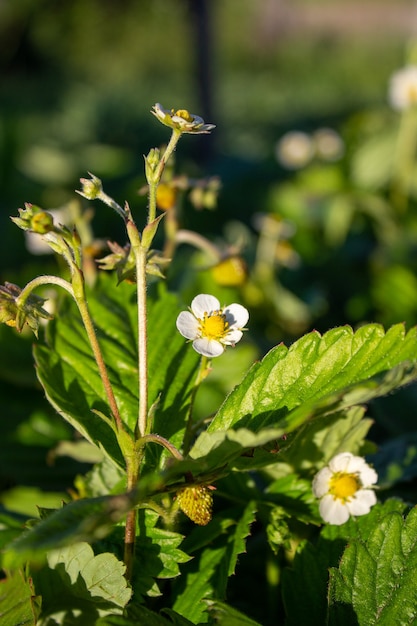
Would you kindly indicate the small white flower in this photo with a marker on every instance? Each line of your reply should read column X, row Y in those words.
column 181, row 120
column 403, row 88
column 294, row 150
column 211, row 327
column 344, row 487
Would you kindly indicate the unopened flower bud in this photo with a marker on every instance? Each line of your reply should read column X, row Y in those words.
column 42, row 223
column 91, row 187
column 151, row 164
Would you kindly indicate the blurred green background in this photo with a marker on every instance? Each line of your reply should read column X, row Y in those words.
column 79, row 78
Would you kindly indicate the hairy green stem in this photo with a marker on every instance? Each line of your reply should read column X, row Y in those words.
column 140, row 251
column 176, row 134
column 78, row 295
column 165, row 443
column 98, row 356
column 44, row 280
column 198, row 241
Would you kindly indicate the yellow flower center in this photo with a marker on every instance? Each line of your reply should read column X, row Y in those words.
column 185, row 115
column 412, row 94
column 214, row 325
column 343, row 486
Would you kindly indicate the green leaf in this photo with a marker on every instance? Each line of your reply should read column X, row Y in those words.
column 237, row 543
column 313, row 561
column 197, row 583
column 157, row 554
column 95, row 578
column 82, row 520
column 206, row 576
column 68, row 372
column 18, row 603
column 141, row 616
column 376, row 580
column 294, row 495
column 225, row 615
column 320, row 440
column 320, row 374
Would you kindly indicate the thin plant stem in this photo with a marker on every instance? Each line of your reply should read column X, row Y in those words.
column 140, row 251
column 165, row 443
column 81, row 302
column 202, row 373
column 198, row 241
column 140, row 257
column 45, row 280
column 176, row 134
column 98, row 356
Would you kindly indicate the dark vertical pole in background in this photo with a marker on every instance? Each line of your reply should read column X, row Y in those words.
column 202, row 50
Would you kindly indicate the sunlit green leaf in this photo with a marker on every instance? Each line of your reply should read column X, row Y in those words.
column 319, row 374
column 76, row 579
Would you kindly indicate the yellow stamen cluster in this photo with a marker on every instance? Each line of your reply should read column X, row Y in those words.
column 184, row 114
column 214, row 325
column 343, row 486
column 197, row 503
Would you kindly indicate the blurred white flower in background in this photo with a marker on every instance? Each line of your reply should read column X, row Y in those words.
column 294, row 150
column 329, row 145
column 403, row 88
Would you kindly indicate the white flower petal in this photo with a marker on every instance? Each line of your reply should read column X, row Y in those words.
column 204, row 303
column 236, row 315
column 232, row 337
column 208, row 347
column 368, row 476
column 362, row 502
column 321, row 482
column 342, row 463
column 333, row 511
column 187, row 325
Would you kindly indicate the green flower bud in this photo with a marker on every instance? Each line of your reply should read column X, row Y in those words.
column 92, row 188
column 42, row 223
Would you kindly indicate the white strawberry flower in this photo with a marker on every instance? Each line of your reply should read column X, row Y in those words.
column 211, row 327
column 181, row 120
column 344, row 487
